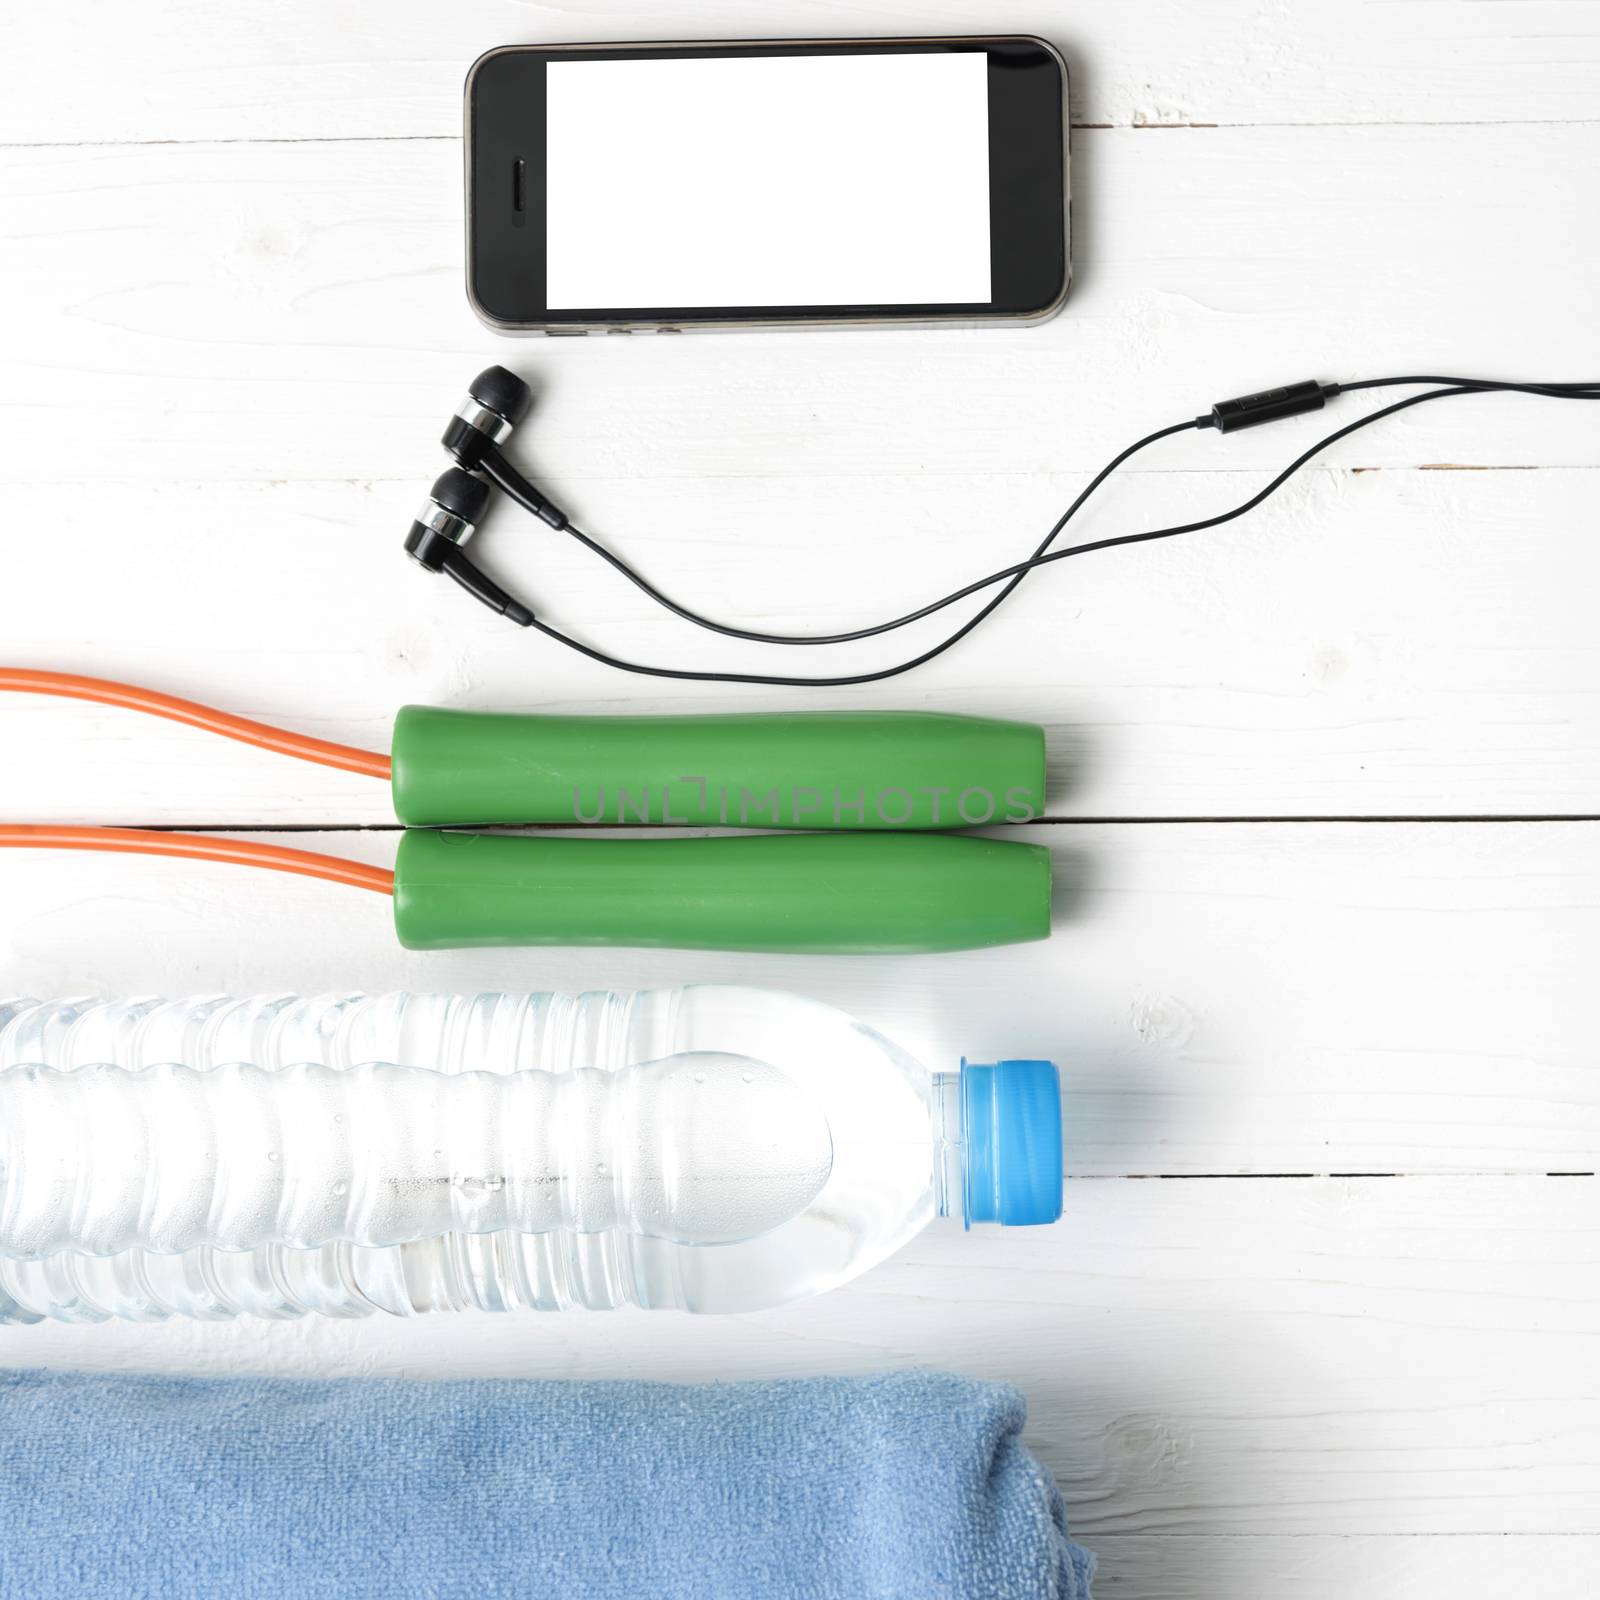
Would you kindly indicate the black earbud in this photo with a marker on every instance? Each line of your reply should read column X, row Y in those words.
column 496, row 402
column 455, row 503
column 454, row 507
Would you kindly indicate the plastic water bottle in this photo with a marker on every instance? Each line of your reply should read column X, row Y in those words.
column 705, row 1149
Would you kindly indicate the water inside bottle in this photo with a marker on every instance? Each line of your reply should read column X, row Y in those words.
column 802, row 1150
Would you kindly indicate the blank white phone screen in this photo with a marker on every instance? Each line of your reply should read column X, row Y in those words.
column 754, row 181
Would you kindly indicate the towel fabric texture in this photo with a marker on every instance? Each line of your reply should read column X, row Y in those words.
column 908, row 1486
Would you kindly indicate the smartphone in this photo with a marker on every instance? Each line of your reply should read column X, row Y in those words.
column 669, row 187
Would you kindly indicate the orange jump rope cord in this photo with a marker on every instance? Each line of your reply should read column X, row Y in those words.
column 27, row 680
column 198, row 847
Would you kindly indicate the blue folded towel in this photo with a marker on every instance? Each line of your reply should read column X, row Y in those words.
column 910, row 1486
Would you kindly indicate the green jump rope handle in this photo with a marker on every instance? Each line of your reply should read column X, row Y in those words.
column 812, row 892
column 824, row 769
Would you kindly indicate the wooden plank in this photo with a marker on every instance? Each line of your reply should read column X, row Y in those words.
column 1283, row 1357
column 292, row 311
column 1222, row 999
column 1336, row 1566
column 1377, row 643
column 1419, row 664
column 84, row 70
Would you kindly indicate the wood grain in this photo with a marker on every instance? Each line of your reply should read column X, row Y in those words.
column 271, row 311
column 86, row 70
column 1377, row 643
column 1374, row 642
column 1336, row 1566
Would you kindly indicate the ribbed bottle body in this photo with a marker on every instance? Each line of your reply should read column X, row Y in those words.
column 709, row 1149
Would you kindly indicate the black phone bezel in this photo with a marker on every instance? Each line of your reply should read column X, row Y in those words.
column 505, row 117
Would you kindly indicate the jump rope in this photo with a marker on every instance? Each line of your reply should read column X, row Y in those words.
column 880, row 880
column 872, row 876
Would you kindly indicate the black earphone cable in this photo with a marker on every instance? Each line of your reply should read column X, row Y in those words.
column 506, row 477
column 1551, row 391
column 1013, row 575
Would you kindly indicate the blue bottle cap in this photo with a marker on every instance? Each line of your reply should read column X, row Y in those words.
column 1011, row 1127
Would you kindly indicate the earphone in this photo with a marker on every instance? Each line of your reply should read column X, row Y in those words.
column 497, row 401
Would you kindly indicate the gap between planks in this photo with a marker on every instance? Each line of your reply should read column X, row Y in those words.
column 1308, row 819
column 1076, row 127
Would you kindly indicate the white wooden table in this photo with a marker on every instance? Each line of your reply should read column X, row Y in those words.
column 1325, row 781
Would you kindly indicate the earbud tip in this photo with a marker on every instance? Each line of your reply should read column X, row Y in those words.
column 502, row 392
column 461, row 494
